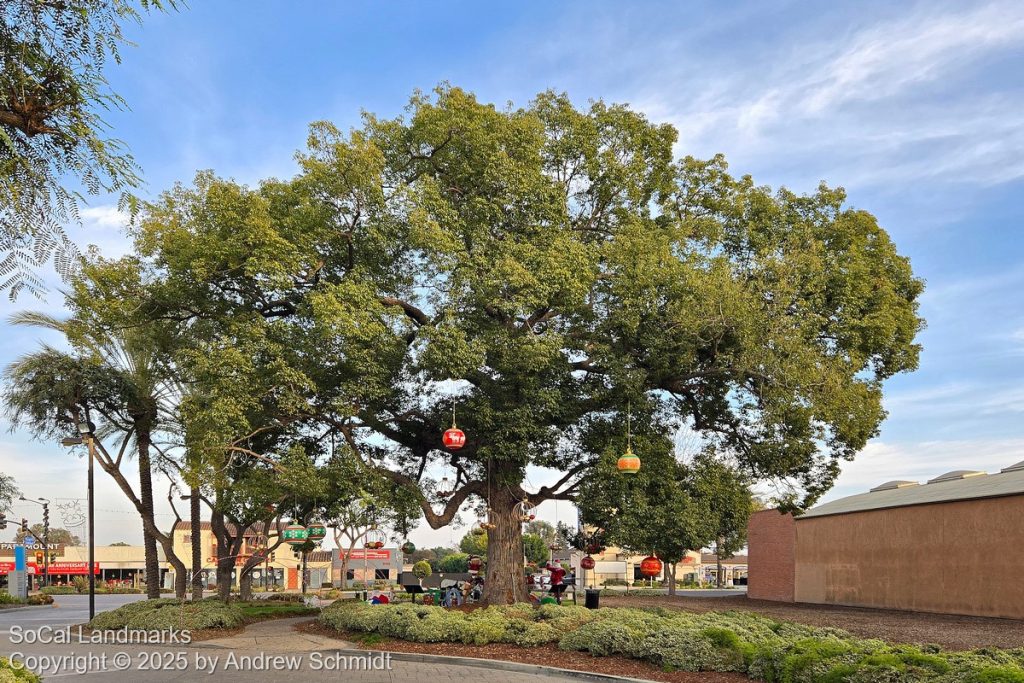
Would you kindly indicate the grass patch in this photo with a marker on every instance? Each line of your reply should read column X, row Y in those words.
column 258, row 610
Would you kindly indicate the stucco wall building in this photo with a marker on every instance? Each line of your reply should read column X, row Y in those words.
column 952, row 545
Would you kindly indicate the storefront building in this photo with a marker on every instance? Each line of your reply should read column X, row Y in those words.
column 281, row 570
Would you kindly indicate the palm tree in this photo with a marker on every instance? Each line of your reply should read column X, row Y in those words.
column 148, row 405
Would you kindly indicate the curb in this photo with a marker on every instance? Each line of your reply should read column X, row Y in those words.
column 502, row 665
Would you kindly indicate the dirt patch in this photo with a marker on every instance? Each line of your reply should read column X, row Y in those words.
column 544, row 655
column 950, row 631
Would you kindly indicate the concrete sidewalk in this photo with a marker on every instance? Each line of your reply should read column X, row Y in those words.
column 278, row 635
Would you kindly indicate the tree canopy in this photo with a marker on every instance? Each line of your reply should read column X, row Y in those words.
column 52, row 97
column 540, row 272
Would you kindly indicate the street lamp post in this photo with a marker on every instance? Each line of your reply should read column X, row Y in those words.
column 86, row 436
column 46, row 535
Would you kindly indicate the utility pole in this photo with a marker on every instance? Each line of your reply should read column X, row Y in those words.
column 86, row 436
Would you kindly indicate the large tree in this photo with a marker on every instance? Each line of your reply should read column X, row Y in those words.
column 54, row 145
column 538, row 271
column 49, row 392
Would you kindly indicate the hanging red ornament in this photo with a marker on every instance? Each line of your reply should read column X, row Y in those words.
column 587, row 563
column 650, row 566
column 454, row 438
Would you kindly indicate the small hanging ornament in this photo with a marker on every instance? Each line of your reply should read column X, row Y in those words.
column 444, row 489
column 408, row 548
column 629, row 463
column 523, row 511
column 587, row 563
column 488, row 525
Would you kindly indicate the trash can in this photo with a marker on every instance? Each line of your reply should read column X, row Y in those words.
column 593, row 599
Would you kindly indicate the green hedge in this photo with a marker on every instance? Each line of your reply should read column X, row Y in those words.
column 59, row 590
column 9, row 674
column 764, row 649
column 169, row 613
column 8, row 599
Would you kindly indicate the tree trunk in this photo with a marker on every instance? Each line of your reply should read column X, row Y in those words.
column 505, row 582
column 148, row 524
column 671, row 575
column 180, row 576
column 719, row 579
column 225, row 554
column 344, row 568
column 146, row 498
column 195, row 513
column 245, row 586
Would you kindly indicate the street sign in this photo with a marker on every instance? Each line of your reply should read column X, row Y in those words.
column 29, row 540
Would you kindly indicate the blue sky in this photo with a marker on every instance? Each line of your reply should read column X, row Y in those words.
column 916, row 108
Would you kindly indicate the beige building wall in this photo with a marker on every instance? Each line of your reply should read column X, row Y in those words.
column 282, row 557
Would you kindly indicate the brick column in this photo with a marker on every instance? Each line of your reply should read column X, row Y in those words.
column 771, row 556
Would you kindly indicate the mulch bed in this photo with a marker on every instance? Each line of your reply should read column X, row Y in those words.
column 950, row 631
column 544, row 655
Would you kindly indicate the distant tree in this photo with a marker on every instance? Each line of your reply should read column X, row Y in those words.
column 120, row 544
column 535, row 548
column 422, row 569
column 474, row 543
column 731, row 503
column 8, row 491
column 57, row 535
column 657, row 510
column 52, row 96
column 545, row 530
column 456, row 562
column 433, row 555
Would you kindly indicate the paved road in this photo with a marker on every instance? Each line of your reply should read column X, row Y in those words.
column 266, row 652
column 66, row 610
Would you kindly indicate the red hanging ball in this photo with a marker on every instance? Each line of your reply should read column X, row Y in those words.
column 650, row 566
column 587, row 562
column 454, row 439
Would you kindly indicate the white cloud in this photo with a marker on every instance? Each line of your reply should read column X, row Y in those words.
column 924, row 460
column 869, row 107
column 884, row 60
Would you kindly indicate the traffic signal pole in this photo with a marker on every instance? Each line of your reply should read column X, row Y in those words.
column 46, row 544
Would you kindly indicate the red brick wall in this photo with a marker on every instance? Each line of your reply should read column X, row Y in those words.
column 771, row 556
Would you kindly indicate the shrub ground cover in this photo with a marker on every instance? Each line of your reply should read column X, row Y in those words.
column 210, row 613
column 760, row 647
column 170, row 613
column 9, row 674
